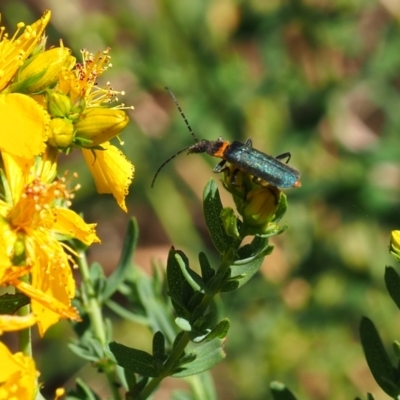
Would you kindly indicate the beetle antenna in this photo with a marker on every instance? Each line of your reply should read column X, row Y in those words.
column 166, row 162
column 182, row 114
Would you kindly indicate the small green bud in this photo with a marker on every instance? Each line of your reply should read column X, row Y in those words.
column 58, row 105
column 99, row 125
column 61, row 133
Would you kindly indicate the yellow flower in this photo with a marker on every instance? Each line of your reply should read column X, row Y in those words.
column 95, row 123
column 14, row 51
column 24, row 125
column 18, row 375
column 33, row 220
column 99, row 125
column 112, row 172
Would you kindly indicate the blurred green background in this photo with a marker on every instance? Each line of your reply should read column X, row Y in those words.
column 318, row 78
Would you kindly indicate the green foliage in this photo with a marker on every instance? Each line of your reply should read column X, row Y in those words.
column 385, row 374
column 194, row 344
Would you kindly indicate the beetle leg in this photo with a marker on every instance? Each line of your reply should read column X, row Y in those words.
column 286, row 155
column 220, row 166
column 249, row 142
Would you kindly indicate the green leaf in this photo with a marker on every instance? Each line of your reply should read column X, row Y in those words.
column 207, row 272
column 230, row 285
column 130, row 379
column 207, row 355
column 219, row 331
column 194, row 280
column 178, row 289
column 82, row 392
column 10, row 303
column 125, row 262
column 377, row 359
column 212, row 208
column 230, row 222
column 281, row 392
column 282, row 207
column 159, row 346
column 134, row 360
column 392, row 281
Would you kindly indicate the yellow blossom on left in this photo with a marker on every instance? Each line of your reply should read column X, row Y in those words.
column 14, row 51
column 32, row 220
column 18, row 375
column 95, row 124
column 23, row 124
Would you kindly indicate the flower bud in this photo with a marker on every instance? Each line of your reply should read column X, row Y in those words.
column 99, row 125
column 395, row 244
column 58, row 105
column 61, row 133
column 260, row 206
column 42, row 70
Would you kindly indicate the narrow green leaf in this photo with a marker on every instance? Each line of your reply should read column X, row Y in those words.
column 11, row 303
column 125, row 262
column 82, row 392
column 392, row 281
column 219, row 331
column 159, row 346
column 212, row 208
column 134, row 360
column 229, row 286
column 130, row 378
column 207, row 272
column 281, row 392
column 194, row 280
column 377, row 359
column 208, row 354
column 178, row 289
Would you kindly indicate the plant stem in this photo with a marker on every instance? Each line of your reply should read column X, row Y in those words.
column 92, row 306
column 170, row 363
column 90, row 301
column 25, row 335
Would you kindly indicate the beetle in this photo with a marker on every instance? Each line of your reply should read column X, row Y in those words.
column 263, row 167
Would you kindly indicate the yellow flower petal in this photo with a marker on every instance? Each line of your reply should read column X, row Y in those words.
column 23, row 125
column 47, row 309
column 69, row 223
column 10, row 323
column 17, row 375
column 111, row 171
column 14, row 51
column 13, row 273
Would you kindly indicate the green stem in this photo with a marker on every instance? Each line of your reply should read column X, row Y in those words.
column 168, row 366
column 93, row 307
column 25, row 335
column 90, row 301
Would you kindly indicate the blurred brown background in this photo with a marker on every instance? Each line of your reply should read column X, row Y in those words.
column 317, row 78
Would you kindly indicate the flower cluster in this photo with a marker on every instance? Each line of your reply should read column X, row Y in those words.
column 49, row 103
